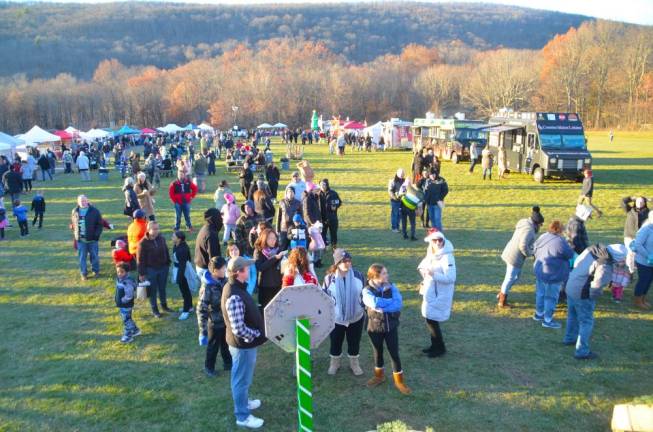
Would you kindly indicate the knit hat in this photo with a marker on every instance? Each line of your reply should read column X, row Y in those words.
column 433, row 234
column 121, row 244
column 248, row 203
column 400, row 173
column 139, row 214
column 583, row 212
column 339, row 255
column 536, row 216
column 618, row 252
column 297, row 218
column 230, row 198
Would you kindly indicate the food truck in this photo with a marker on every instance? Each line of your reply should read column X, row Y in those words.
column 542, row 144
column 449, row 138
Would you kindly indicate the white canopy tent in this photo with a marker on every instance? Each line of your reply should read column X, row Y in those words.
column 36, row 135
column 265, row 126
column 279, row 126
column 94, row 134
column 7, row 150
column 375, row 131
column 171, row 128
column 205, row 127
column 71, row 130
column 397, row 133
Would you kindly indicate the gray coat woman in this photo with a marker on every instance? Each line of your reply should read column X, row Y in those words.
column 517, row 250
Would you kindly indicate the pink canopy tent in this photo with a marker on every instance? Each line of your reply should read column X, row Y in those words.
column 354, row 125
column 148, row 131
column 63, row 135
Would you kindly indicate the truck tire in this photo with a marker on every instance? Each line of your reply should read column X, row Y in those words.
column 538, row 175
column 454, row 157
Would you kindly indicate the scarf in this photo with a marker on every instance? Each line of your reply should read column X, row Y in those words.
column 270, row 252
column 346, row 297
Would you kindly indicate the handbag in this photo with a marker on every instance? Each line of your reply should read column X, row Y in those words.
column 192, row 278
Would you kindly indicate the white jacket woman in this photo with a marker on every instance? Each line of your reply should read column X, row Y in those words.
column 438, row 270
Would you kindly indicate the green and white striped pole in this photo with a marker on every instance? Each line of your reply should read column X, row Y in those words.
column 304, row 379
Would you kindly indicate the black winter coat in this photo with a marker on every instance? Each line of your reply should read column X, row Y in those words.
column 435, row 191
column 577, row 235
column 311, row 207
column 269, row 271
column 13, row 182
column 207, row 244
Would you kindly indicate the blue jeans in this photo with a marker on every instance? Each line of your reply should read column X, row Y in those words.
column 44, row 172
column 512, row 276
column 127, row 321
column 185, row 209
column 158, row 278
column 435, row 216
column 580, row 323
column 546, row 298
column 645, row 278
column 88, row 248
column 242, row 373
column 395, row 214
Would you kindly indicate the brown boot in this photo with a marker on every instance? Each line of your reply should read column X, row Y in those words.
column 647, row 305
column 399, row 383
column 639, row 303
column 503, row 301
column 378, row 378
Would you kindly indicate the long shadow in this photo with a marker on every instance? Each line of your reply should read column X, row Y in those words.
column 621, row 162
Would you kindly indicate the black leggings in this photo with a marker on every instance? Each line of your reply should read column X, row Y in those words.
column 38, row 216
column 185, row 293
column 23, row 228
column 217, row 342
column 353, row 332
column 437, row 342
column 27, row 185
column 391, row 339
column 407, row 215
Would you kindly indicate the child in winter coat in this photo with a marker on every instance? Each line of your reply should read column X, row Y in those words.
column 298, row 234
column 620, row 278
column 230, row 214
column 316, row 246
column 297, row 269
column 20, row 211
column 209, row 316
column 38, row 207
column 120, row 254
column 125, row 292
column 383, row 303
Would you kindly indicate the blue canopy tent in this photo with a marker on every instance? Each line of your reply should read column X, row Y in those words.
column 127, row 130
column 190, row 127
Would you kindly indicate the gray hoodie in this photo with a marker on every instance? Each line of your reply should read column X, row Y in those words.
column 521, row 244
column 593, row 270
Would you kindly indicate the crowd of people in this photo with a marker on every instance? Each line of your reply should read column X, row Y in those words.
column 251, row 245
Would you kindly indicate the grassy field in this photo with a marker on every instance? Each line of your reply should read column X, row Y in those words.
column 63, row 368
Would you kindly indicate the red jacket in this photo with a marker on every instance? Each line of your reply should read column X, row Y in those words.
column 182, row 192
column 121, row 255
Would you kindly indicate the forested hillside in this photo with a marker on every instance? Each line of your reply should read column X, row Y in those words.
column 43, row 40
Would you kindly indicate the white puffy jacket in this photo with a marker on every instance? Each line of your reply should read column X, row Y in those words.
column 439, row 273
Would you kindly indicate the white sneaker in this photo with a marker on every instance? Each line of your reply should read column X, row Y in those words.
column 251, row 422
column 252, row 404
column 183, row 316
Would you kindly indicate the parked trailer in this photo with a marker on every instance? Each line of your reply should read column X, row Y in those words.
column 541, row 144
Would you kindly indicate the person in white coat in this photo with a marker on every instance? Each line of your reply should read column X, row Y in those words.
column 83, row 165
column 438, row 270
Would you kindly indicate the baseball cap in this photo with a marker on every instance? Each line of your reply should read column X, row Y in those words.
column 238, row 263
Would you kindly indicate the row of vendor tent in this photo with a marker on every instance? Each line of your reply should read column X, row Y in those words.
column 274, row 126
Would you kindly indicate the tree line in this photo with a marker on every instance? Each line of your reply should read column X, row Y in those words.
column 602, row 70
column 45, row 39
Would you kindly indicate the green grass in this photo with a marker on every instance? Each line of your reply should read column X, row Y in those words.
column 63, row 368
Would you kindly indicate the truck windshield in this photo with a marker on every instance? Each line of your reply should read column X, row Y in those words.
column 562, row 141
column 469, row 134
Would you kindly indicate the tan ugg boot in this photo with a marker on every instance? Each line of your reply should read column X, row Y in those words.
column 503, row 301
column 639, row 302
column 355, row 365
column 645, row 302
column 399, row 383
column 334, row 365
column 378, row 378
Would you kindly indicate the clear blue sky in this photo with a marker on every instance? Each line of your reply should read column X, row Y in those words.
column 633, row 11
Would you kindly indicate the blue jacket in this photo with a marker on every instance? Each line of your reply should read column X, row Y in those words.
column 383, row 307
column 21, row 213
column 552, row 255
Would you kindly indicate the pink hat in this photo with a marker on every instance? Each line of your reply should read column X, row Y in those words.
column 229, row 198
